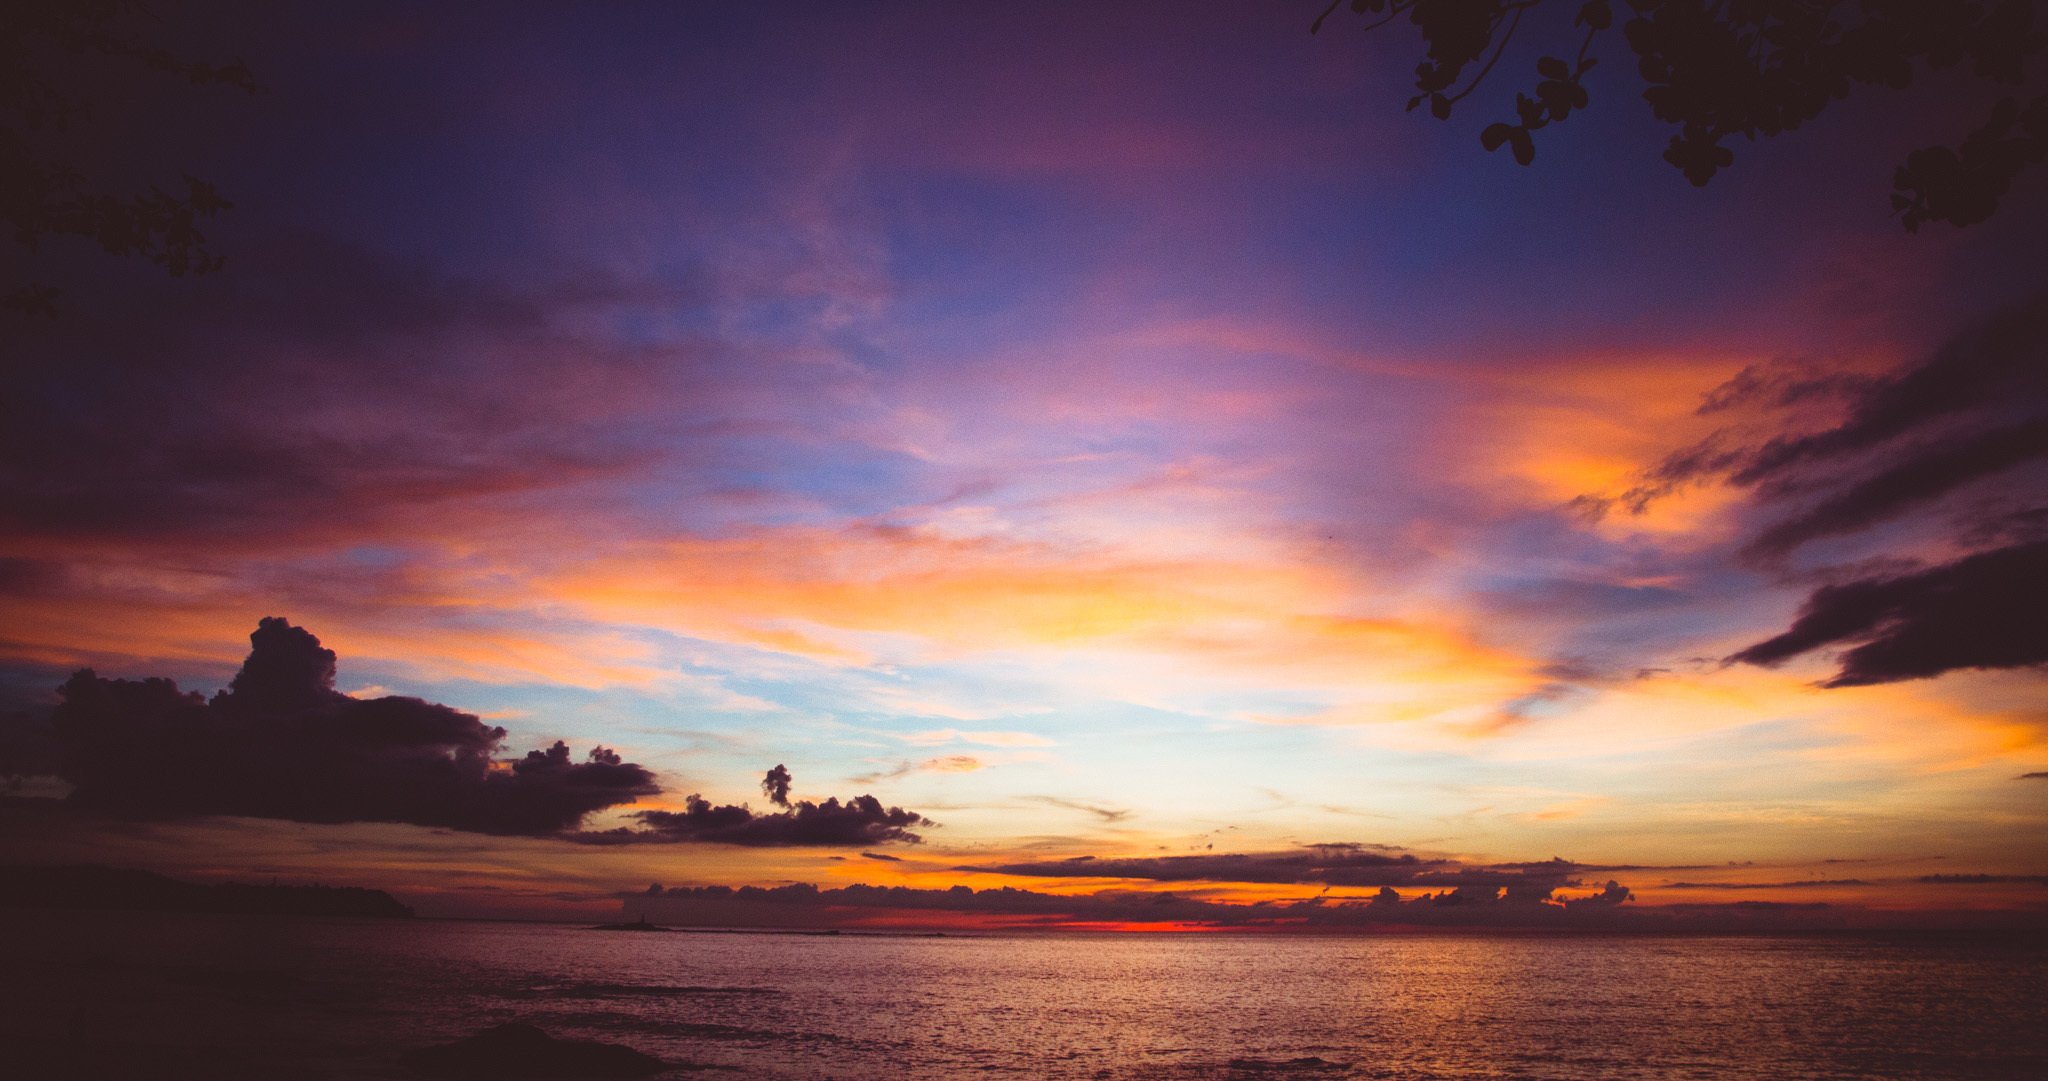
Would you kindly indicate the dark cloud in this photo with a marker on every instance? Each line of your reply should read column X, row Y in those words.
column 1781, row 384
column 316, row 389
column 2038, row 774
column 884, row 857
column 1329, row 864
column 1972, row 413
column 1802, row 884
column 1977, row 407
column 1614, row 893
column 858, row 822
column 1994, row 370
column 1985, row 880
column 281, row 742
column 1982, row 611
column 1910, row 482
column 1996, row 525
column 776, row 785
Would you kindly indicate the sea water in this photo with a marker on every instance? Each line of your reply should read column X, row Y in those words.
column 341, row 998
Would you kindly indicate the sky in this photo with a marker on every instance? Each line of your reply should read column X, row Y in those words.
column 1111, row 454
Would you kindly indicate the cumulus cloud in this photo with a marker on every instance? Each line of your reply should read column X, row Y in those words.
column 856, row 823
column 776, row 785
column 1613, row 893
column 281, row 742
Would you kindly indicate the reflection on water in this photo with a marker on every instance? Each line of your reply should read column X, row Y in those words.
column 342, row 999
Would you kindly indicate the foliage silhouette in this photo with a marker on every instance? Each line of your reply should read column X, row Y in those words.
column 1721, row 68
column 42, row 194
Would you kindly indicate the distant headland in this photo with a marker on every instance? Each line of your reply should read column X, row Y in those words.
column 92, row 888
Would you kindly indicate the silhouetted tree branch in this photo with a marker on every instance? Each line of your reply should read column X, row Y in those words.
column 42, row 195
column 1721, row 68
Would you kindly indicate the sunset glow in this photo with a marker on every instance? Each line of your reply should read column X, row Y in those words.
column 1112, row 437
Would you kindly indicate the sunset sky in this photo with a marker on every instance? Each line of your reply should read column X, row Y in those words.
column 1098, row 430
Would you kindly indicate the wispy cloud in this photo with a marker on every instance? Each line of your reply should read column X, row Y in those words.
column 1106, row 814
column 952, row 763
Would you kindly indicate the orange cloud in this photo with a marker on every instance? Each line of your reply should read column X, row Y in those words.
column 1552, row 432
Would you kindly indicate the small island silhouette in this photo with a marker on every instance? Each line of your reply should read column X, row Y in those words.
column 638, row 925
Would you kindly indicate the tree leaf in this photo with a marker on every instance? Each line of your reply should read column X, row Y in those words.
column 1524, row 146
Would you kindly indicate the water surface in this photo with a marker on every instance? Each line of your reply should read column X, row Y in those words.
column 343, row 998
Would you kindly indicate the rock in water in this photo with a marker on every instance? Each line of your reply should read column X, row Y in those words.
column 517, row 1050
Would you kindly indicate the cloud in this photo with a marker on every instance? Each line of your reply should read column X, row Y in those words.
column 320, row 390
column 856, row 823
column 1609, row 907
column 1983, row 611
column 1614, row 893
column 1107, row 814
column 1976, row 409
column 1779, row 385
column 1327, row 864
column 1971, row 409
column 1166, row 626
column 2036, row 775
column 952, row 763
column 1992, row 369
column 280, row 742
column 1984, row 880
column 1917, row 479
column 1802, row 884
column 989, row 739
column 776, row 785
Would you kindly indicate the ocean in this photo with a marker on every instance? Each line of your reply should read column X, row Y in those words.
column 177, row 995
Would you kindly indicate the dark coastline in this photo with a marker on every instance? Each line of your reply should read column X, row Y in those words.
column 108, row 889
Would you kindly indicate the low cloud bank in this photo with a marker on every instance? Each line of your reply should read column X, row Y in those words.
column 1609, row 907
column 1325, row 864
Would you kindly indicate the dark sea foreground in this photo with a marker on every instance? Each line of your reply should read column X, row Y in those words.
column 135, row 995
